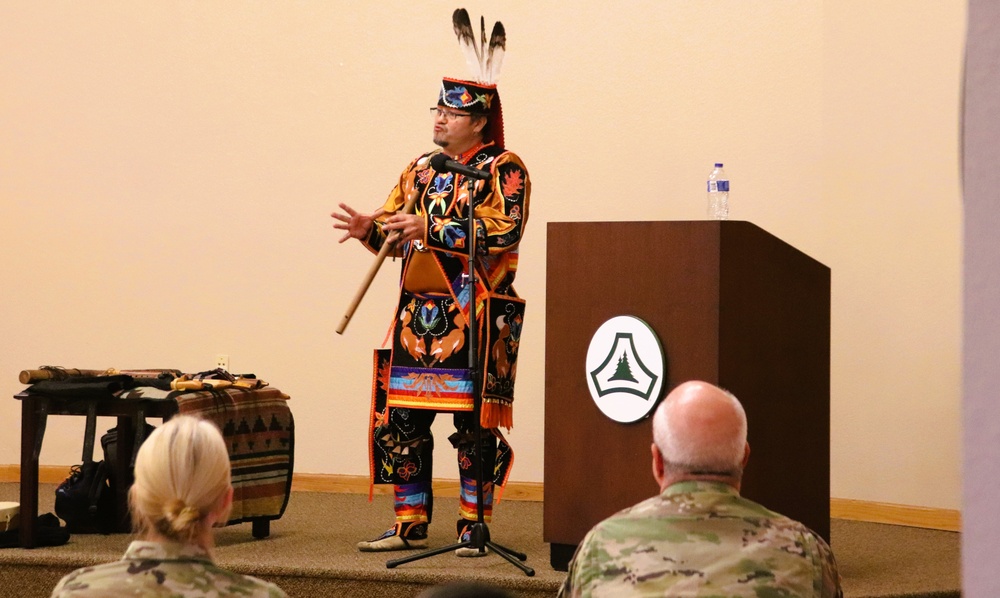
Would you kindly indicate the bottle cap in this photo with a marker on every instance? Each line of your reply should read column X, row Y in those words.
column 718, row 164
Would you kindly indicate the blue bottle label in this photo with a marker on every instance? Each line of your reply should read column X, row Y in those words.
column 722, row 186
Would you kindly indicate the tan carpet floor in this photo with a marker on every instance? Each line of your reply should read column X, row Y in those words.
column 311, row 553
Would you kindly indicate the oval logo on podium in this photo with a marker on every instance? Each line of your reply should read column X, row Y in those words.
column 625, row 366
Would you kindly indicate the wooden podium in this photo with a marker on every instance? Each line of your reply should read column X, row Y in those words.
column 732, row 305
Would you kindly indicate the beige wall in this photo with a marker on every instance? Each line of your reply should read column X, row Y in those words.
column 167, row 170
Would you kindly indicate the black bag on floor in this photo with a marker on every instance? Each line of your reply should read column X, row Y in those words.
column 85, row 500
column 48, row 532
column 109, row 442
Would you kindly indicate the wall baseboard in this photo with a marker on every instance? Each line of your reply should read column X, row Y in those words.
column 880, row 512
column 355, row 484
column 47, row 474
column 840, row 508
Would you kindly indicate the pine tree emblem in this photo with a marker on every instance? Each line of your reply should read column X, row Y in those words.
column 623, row 371
column 626, row 374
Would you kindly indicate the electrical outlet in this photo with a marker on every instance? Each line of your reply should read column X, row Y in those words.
column 222, row 362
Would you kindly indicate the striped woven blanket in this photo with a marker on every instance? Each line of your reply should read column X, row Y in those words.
column 260, row 433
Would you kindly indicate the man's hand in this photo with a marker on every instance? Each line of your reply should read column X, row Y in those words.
column 357, row 225
column 408, row 227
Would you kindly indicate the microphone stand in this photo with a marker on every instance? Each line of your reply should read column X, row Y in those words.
column 479, row 538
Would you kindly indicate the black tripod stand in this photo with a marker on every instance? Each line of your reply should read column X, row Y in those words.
column 479, row 538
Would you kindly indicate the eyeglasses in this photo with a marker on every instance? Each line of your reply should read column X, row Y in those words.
column 448, row 116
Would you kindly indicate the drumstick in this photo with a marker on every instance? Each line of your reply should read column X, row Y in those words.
column 373, row 270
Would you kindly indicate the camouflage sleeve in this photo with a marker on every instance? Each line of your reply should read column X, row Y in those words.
column 573, row 585
column 827, row 564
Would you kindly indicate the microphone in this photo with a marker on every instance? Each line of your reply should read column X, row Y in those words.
column 441, row 163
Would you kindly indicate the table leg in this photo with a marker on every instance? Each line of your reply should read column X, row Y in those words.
column 33, row 416
column 90, row 432
column 137, row 437
column 261, row 527
column 123, row 471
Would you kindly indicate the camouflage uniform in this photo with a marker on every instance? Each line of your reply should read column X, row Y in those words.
column 702, row 539
column 163, row 569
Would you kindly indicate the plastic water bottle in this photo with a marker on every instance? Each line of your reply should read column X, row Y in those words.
column 718, row 194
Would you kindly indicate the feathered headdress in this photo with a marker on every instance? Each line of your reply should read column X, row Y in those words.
column 478, row 95
column 484, row 61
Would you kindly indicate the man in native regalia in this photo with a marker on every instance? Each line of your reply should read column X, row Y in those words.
column 427, row 369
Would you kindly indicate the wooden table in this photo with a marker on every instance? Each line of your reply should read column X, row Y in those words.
column 131, row 414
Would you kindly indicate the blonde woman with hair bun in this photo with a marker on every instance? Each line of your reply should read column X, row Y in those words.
column 182, row 489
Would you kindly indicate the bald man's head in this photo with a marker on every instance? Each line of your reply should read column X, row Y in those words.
column 701, row 430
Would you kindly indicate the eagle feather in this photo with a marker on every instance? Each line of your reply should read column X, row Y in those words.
column 484, row 59
column 483, row 72
column 467, row 39
column 494, row 59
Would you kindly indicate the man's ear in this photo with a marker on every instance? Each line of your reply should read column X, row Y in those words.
column 657, row 465
column 482, row 125
column 746, row 456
